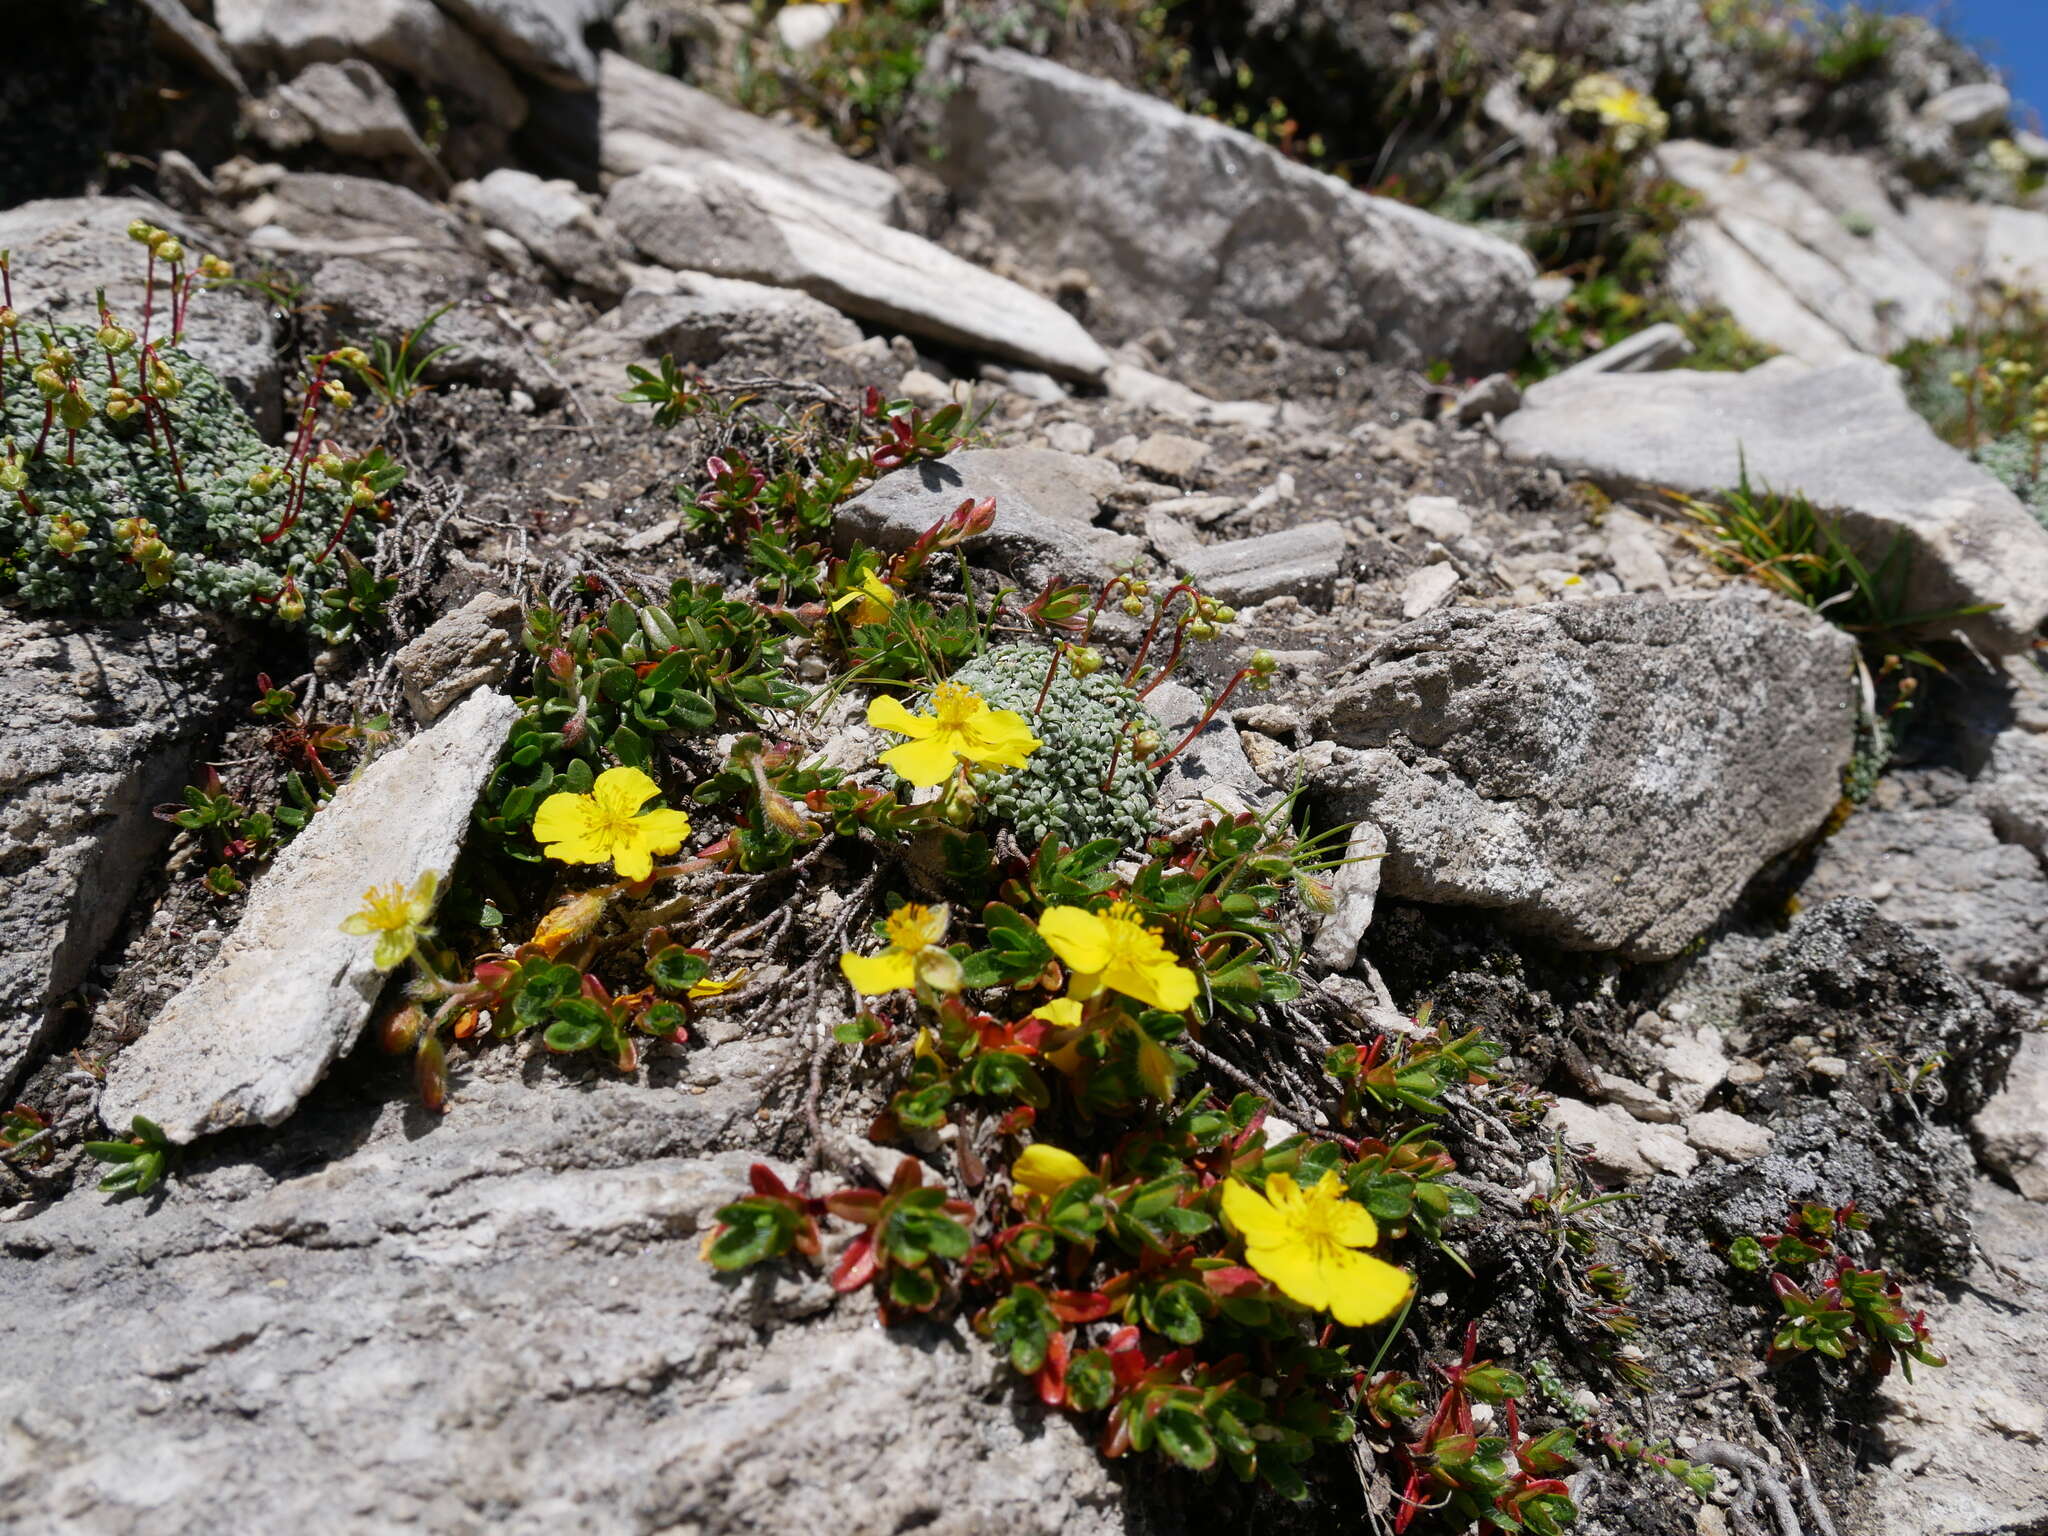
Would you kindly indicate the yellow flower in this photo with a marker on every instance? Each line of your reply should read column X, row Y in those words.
column 1115, row 949
column 397, row 916
column 1061, row 1012
column 1306, row 1243
column 1622, row 107
column 875, row 596
column 916, row 952
column 1046, row 1170
column 961, row 726
column 608, row 826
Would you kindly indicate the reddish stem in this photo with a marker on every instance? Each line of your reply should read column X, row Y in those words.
column 1145, row 647
column 1202, row 724
column 1046, row 687
column 49, row 415
column 148, row 298
column 1180, row 638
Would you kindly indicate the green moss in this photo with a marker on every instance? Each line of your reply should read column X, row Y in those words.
column 1085, row 725
column 213, row 528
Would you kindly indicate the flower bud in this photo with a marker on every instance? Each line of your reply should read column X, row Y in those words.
column 13, row 478
column 263, row 480
column 215, row 268
column 1262, row 663
column 1084, row 661
column 66, row 534
column 9, row 320
column 360, row 495
column 1134, row 606
column 121, row 405
column 1224, row 614
column 1145, row 742
column 291, row 606
column 141, row 231
column 115, row 339
column 73, row 409
column 341, row 397
column 163, row 383
column 1201, row 629
column 49, row 381
column 170, row 250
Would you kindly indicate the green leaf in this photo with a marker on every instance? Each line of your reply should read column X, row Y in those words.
column 677, row 969
column 1184, row 1435
column 1091, row 1381
column 1022, row 1325
column 757, row 1228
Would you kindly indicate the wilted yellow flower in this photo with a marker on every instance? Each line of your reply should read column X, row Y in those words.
column 1115, row 949
column 916, row 952
column 608, row 826
column 1306, row 1242
column 875, row 597
column 1046, row 1170
column 961, row 727
column 715, row 986
column 397, row 916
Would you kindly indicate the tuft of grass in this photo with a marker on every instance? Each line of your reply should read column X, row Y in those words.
column 1780, row 540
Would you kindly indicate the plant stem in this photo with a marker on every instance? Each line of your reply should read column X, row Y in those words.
column 1202, row 724
column 1158, row 617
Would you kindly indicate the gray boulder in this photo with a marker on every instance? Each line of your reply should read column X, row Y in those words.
column 551, row 219
column 64, row 249
column 1175, row 215
column 1302, row 562
column 366, row 1322
column 410, row 37
column 355, row 112
column 695, row 318
column 288, row 991
column 544, row 38
column 1046, row 503
column 101, row 725
column 1843, row 436
column 646, row 118
column 1607, row 774
column 733, row 221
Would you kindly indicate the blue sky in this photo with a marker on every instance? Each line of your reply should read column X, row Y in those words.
column 2013, row 34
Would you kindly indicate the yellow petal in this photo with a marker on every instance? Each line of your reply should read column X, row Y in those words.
column 1248, row 1211
column 1162, row 984
column 1001, row 737
column 632, row 861
column 573, row 828
column 661, row 831
column 1046, row 1169
column 359, row 922
column 886, row 713
column 924, row 763
column 1296, row 1268
column 1363, row 1289
column 1063, row 1012
column 1078, row 937
column 392, row 948
column 1285, row 1195
column 1349, row 1222
column 622, row 791
column 871, row 975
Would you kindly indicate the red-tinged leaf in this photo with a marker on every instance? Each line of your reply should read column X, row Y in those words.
column 1052, row 1376
column 856, row 1266
column 430, row 1074
column 1116, row 1434
column 595, row 989
column 909, row 1175
column 765, row 1180
column 1017, row 1121
column 885, row 1129
column 1233, row 1281
column 1079, row 1306
column 1123, row 1341
column 960, row 1210
column 806, row 1241
column 861, row 1205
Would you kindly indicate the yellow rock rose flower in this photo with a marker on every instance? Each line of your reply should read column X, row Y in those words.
column 1115, row 949
column 917, row 936
column 1307, row 1241
column 607, row 825
column 960, row 728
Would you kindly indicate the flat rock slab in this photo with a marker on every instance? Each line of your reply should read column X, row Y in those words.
column 646, row 118
column 100, row 726
column 732, row 221
column 1607, row 774
column 63, row 249
column 400, row 1313
column 1298, row 562
column 695, row 318
column 289, row 991
column 1844, row 437
column 1046, row 502
column 551, row 220
column 1176, row 215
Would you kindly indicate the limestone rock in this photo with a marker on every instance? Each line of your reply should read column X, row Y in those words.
column 1427, row 588
column 2012, row 1130
column 63, row 249
column 1620, row 1146
column 698, row 319
column 101, row 725
column 1046, row 503
column 1355, row 887
column 1727, row 1135
column 473, row 647
column 400, row 1313
column 1650, row 350
column 551, row 220
column 1212, row 771
column 1175, row 215
column 647, row 118
column 1441, row 517
column 364, row 298
column 1979, row 107
column 289, row 991
column 542, row 37
column 1844, row 437
column 1607, row 773
column 411, row 37
column 733, row 221
column 1495, row 395
column 1966, row 1444
column 355, row 111
column 1302, row 562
